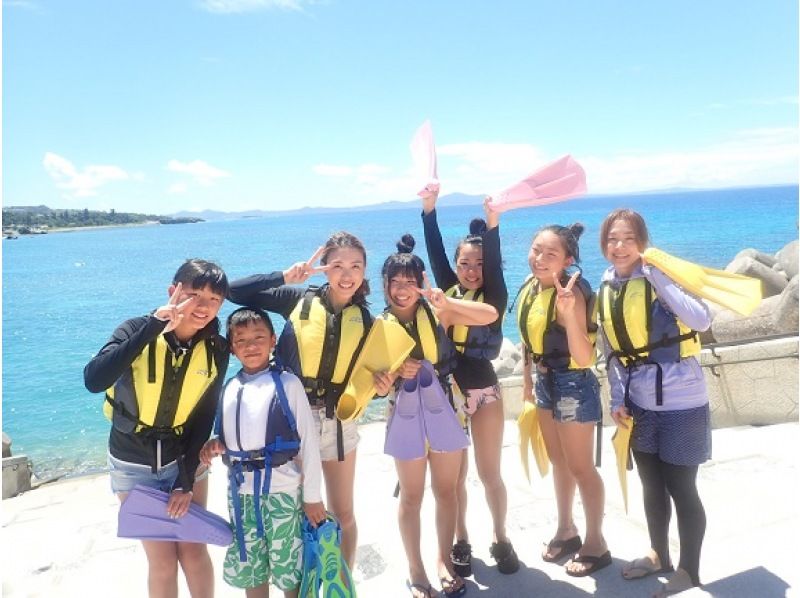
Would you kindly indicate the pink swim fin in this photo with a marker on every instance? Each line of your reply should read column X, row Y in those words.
column 558, row 181
column 423, row 153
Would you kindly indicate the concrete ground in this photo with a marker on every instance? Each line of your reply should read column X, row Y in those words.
column 60, row 539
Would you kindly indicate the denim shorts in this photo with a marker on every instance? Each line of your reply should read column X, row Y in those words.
column 125, row 475
column 572, row 395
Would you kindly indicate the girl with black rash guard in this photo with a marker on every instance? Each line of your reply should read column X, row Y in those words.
column 325, row 329
column 648, row 330
column 556, row 322
column 162, row 374
column 478, row 277
column 426, row 314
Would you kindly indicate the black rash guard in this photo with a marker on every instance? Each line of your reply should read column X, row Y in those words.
column 126, row 343
column 470, row 372
column 269, row 292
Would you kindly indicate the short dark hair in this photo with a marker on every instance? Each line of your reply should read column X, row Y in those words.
column 200, row 274
column 631, row 217
column 247, row 315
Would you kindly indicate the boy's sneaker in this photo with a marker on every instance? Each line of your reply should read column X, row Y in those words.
column 461, row 556
column 503, row 553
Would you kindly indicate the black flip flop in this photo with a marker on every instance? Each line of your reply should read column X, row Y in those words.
column 595, row 563
column 565, row 548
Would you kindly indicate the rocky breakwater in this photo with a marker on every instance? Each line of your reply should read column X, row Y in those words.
column 750, row 362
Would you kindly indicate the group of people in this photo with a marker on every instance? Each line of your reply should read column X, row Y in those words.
column 276, row 427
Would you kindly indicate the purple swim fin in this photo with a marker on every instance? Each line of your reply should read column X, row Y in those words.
column 143, row 516
column 442, row 427
column 405, row 435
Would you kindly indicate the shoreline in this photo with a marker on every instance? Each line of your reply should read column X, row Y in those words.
column 72, row 229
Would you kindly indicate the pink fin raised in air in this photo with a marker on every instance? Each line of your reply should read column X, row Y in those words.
column 423, row 153
column 558, row 181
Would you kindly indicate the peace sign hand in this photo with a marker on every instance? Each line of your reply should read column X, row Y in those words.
column 435, row 296
column 299, row 272
column 172, row 312
column 565, row 300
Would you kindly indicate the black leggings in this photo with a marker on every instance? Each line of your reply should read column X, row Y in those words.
column 660, row 481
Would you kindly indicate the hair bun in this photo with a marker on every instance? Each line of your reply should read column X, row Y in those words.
column 576, row 229
column 406, row 244
column 477, row 226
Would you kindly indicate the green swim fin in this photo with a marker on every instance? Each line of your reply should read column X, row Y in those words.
column 741, row 294
column 323, row 563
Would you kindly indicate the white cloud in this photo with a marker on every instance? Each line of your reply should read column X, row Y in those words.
column 202, row 172
column 751, row 157
column 240, row 6
column 27, row 4
column 83, row 183
column 332, row 170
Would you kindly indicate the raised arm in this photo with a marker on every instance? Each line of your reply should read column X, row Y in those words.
column 495, row 291
column 443, row 274
column 571, row 314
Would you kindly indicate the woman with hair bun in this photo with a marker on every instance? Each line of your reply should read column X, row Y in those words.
column 478, row 277
column 424, row 429
column 556, row 319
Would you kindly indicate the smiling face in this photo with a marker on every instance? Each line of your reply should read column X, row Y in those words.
column 469, row 266
column 402, row 295
column 252, row 344
column 623, row 247
column 200, row 312
column 346, row 273
column 546, row 256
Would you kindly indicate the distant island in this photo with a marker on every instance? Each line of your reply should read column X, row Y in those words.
column 31, row 220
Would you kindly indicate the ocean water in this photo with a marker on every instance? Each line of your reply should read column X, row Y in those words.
column 63, row 294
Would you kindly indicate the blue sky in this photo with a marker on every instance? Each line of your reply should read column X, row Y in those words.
column 161, row 106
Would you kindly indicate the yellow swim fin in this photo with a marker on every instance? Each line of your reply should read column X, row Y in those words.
column 524, row 426
column 530, row 438
column 621, row 442
column 386, row 347
column 741, row 294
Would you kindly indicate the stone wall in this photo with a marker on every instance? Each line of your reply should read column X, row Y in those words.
column 748, row 384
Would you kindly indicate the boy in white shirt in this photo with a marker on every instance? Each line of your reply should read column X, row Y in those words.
column 267, row 436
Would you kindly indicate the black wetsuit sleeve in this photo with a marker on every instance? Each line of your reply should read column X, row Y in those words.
column 266, row 291
column 126, row 343
column 495, row 292
column 437, row 256
column 198, row 429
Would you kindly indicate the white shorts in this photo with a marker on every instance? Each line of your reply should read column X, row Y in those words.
column 327, row 436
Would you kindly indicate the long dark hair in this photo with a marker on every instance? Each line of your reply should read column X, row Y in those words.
column 344, row 240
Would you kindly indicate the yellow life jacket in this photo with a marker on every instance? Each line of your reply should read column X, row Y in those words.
column 424, row 330
column 327, row 344
column 639, row 331
column 543, row 336
column 481, row 342
column 160, row 390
